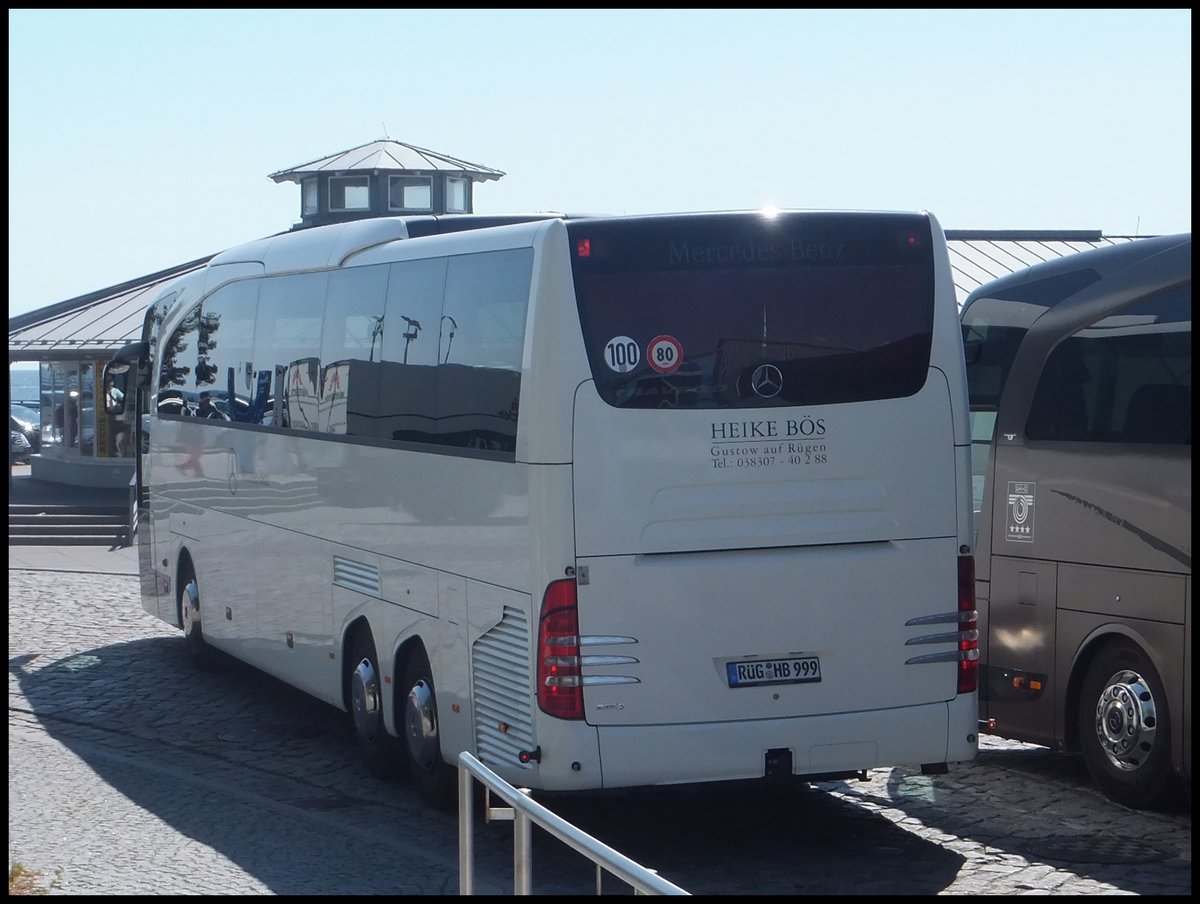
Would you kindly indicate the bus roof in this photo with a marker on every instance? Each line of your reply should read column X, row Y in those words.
column 1056, row 280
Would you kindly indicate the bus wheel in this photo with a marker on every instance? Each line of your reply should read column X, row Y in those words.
column 188, row 603
column 378, row 748
column 1124, row 729
column 434, row 778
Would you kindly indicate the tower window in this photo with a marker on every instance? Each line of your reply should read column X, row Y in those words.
column 456, row 195
column 349, row 193
column 410, row 193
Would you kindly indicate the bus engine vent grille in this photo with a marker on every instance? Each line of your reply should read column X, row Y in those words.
column 503, row 697
column 356, row 576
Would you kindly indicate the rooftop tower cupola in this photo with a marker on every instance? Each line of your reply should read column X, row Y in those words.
column 384, row 178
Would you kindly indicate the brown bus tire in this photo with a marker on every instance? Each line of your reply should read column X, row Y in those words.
column 1125, row 727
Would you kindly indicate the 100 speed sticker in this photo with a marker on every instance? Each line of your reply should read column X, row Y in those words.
column 622, row 354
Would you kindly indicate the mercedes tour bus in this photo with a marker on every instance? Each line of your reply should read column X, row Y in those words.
column 605, row 501
column 1080, row 375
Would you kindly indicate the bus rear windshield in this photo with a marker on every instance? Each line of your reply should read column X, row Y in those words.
column 746, row 311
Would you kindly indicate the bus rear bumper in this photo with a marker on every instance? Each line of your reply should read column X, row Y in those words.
column 819, row 745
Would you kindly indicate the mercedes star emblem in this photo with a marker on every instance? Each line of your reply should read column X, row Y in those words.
column 767, row 381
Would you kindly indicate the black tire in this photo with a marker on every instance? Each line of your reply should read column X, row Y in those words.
column 187, row 603
column 378, row 748
column 435, row 779
column 1125, row 728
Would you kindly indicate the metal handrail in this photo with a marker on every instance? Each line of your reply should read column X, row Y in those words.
column 524, row 812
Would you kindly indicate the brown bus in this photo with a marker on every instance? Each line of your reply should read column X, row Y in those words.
column 1080, row 381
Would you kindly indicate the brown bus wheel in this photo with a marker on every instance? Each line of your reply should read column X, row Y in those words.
column 1125, row 728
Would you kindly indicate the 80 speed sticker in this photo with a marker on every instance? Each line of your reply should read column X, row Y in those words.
column 664, row 354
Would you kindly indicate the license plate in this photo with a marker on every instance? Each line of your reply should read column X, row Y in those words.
column 760, row 672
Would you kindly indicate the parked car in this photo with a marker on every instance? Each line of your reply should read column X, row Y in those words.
column 19, row 449
column 27, row 422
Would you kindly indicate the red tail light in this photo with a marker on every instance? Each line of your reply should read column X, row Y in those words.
column 559, row 683
column 968, row 627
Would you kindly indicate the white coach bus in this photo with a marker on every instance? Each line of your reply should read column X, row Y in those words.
column 607, row 502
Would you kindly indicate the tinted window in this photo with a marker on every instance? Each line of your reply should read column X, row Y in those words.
column 1125, row 378
column 414, row 309
column 287, row 343
column 994, row 325
column 354, row 315
column 425, row 351
column 429, row 350
column 684, row 312
column 176, row 375
column 397, row 398
column 352, row 349
column 225, row 384
column 990, row 349
column 482, row 341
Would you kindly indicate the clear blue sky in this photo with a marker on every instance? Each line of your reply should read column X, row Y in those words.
column 139, row 139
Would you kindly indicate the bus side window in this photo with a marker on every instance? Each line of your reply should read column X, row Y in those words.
column 1125, row 378
column 176, row 377
column 287, row 330
column 1059, row 410
column 1159, row 413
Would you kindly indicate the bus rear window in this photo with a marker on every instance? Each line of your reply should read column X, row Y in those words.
column 742, row 311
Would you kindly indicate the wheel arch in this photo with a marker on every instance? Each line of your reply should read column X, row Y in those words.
column 1097, row 640
column 184, row 565
column 354, row 629
column 394, row 707
column 404, row 653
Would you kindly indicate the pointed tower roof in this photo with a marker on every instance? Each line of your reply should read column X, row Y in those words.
column 387, row 154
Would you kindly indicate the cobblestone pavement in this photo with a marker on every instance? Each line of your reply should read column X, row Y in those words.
column 129, row 773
